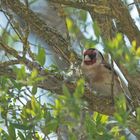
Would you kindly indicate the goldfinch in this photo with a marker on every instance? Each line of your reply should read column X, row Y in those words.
column 99, row 74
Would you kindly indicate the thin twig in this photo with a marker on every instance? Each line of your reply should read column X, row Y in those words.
column 24, row 39
column 8, row 63
column 112, row 80
column 137, row 5
column 20, row 37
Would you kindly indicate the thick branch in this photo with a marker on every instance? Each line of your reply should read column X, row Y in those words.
column 126, row 24
column 104, row 12
column 134, row 89
column 85, row 5
column 53, row 38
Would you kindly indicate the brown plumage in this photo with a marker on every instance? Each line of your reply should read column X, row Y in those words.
column 99, row 74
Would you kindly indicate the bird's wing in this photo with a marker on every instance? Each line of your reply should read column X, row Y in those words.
column 122, row 84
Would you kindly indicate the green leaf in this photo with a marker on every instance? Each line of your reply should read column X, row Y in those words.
column 118, row 117
column 96, row 29
column 72, row 136
column 69, row 24
column 66, row 91
column 122, row 138
column 11, row 131
column 16, row 84
column 72, row 28
column 120, row 104
column 57, row 107
column 4, row 135
column 89, row 43
column 21, row 136
column 138, row 52
column 36, row 107
column 50, row 126
column 3, row 82
column 34, row 74
column 6, row 37
column 22, row 126
column 83, row 15
column 34, row 89
column 95, row 116
column 31, row 2
column 90, row 126
column 104, row 119
column 115, row 130
column 41, row 56
column 121, row 114
column 138, row 115
column 79, row 92
column 21, row 73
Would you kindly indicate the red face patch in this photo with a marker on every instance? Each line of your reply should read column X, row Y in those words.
column 88, row 52
column 90, row 62
column 92, row 57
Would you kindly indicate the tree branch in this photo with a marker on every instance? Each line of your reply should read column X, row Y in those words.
column 125, row 21
column 108, row 10
column 85, row 5
column 54, row 39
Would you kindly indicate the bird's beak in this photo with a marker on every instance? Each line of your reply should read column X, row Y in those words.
column 87, row 58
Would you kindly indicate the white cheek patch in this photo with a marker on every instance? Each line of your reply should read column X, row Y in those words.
column 87, row 58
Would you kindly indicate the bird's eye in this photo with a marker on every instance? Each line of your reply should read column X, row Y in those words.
column 92, row 56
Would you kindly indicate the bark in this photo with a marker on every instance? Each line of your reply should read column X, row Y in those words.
column 125, row 23
column 50, row 35
column 108, row 10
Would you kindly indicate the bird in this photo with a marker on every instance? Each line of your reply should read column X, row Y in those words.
column 99, row 73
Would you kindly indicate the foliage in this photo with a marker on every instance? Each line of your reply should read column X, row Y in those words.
column 68, row 111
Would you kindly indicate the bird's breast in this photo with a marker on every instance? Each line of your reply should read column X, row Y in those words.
column 100, row 80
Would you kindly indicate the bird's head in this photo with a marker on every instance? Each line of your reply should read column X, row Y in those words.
column 92, row 57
